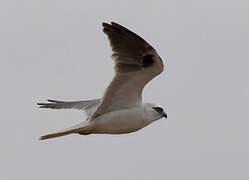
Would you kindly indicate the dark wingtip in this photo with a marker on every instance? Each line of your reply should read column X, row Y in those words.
column 104, row 24
column 41, row 105
column 109, row 24
column 106, row 27
column 117, row 25
column 54, row 101
column 46, row 105
column 114, row 23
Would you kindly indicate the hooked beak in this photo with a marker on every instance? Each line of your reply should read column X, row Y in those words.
column 164, row 115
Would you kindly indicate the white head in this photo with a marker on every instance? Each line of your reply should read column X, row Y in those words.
column 160, row 111
column 157, row 112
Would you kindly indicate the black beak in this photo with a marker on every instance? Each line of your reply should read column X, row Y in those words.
column 164, row 115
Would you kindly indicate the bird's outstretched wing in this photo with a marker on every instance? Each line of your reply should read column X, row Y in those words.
column 136, row 63
column 86, row 105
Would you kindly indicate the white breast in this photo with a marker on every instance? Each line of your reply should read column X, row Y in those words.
column 120, row 121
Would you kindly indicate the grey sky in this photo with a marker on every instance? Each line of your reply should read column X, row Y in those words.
column 56, row 49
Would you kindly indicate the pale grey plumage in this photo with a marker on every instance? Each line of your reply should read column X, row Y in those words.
column 121, row 109
column 89, row 106
column 80, row 105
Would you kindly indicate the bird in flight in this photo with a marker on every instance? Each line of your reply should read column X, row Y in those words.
column 121, row 109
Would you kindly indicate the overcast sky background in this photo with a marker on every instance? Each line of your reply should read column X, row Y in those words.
column 56, row 49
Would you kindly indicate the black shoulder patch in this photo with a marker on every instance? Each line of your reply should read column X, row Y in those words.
column 123, row 68
column 148, row 60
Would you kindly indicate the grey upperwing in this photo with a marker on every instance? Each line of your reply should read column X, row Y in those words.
column 80, row 105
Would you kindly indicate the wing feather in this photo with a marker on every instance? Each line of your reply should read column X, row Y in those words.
column 86, row 105
column 136, row 63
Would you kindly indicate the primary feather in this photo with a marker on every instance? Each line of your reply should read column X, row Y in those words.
column 80, row 105
column 136, row 63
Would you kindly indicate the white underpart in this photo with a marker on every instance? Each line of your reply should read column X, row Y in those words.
column 123, row 120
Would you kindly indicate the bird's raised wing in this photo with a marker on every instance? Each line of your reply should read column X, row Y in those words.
column 136, row 63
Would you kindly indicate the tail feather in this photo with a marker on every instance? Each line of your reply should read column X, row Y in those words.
column 82, row 127
column 58, row 134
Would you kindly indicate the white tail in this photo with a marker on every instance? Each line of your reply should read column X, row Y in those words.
column 79, row 128
column 58, row 134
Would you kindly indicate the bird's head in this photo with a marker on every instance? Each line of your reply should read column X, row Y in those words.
column 160, row 111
